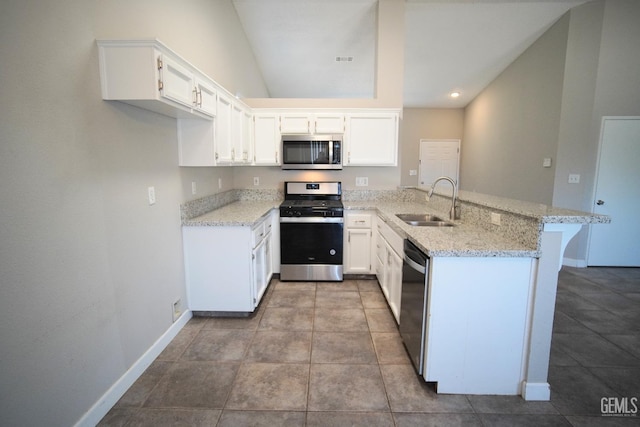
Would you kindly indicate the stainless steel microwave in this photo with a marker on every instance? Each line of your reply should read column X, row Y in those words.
column 312, row 152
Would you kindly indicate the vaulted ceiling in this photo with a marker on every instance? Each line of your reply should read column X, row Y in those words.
column 327, row 48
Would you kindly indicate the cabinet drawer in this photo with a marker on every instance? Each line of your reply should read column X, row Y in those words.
column 359, row 221
column 395, row 241
column 258, row 233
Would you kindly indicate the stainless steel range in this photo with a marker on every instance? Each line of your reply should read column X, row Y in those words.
column 311, row 231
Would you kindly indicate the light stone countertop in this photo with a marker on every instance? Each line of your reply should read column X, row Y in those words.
column 462, row 240
column 240, row 213
column 544, row 213
column 465, row 239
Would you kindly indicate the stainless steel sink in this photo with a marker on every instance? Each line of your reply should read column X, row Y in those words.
column 424, row 220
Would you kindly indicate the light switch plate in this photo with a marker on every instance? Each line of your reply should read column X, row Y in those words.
column 151, row 191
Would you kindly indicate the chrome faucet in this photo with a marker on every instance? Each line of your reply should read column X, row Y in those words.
column 453, row 213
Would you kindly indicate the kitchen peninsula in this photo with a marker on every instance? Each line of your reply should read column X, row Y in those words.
column 492, row 287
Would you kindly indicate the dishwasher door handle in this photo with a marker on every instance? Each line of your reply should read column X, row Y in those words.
column 417, row 267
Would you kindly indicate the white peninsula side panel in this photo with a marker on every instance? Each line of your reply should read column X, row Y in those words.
column 478, row 310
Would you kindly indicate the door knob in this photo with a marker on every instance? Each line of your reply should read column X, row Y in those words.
column 600, row 202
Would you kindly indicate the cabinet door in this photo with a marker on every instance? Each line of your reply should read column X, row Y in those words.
column 395, row 283
column 295, row 123
column 268, row 259
column 247, row 136
column 224, row 154
column 241, row 135
column 371, row 140
column 329, row 123
column 177, row 82
column 380, row 257
column 205, row 97
column 266, row 139
column 236, row 134
column 358, row 253
column 259, row 272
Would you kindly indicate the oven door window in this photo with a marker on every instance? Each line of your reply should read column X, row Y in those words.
column 315, row 243
column 306, row 152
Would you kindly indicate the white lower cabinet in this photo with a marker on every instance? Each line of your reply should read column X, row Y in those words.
column 389, row 253
column 358, row 242
column 228, row 268
column 262, row 261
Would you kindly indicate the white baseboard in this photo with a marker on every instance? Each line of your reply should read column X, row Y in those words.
column 572, row 262
column 119, row 388
column 536, row 391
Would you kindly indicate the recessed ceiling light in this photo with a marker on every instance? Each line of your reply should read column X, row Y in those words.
column 454, row 94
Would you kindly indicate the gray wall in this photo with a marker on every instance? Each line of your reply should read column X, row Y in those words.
column 550, row 103
column 425, row 123
column 512, row 125
column 601, row 79
column 88, row 271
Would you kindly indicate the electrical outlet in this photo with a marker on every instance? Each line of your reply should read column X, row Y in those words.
column 177, row 309
column 256, row 180
column 495, row 218
column 574, row 178
column 413, row 172
column 151, row 192
column 362, row 181
column 546, row 162
column 193, row 187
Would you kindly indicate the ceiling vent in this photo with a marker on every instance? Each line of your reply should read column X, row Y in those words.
column 344, row 58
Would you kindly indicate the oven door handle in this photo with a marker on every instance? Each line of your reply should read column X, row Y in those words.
column 311, row 219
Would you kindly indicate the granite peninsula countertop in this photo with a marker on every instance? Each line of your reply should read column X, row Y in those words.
column 461, row 240
column 465, row 239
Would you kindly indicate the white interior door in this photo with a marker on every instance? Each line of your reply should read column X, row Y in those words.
column 617, row 194
column 438, row 157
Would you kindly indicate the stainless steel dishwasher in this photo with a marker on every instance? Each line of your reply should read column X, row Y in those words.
column 413, row 303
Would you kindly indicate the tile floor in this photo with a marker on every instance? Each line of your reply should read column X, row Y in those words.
column 329, row 354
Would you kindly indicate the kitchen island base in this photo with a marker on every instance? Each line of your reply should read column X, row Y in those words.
column 477, row 324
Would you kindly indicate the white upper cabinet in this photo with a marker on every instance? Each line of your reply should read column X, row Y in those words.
column 371, row 139
column 176, row 81
column 196, row 142
column 293, row 123
column 147, row 74
column 266, row 139
column 310, row 122
column 205, row 96
column 223, row 139
column 329, row 123
column 240, row 135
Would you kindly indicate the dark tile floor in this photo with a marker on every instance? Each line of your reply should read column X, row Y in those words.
column 329, row 354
